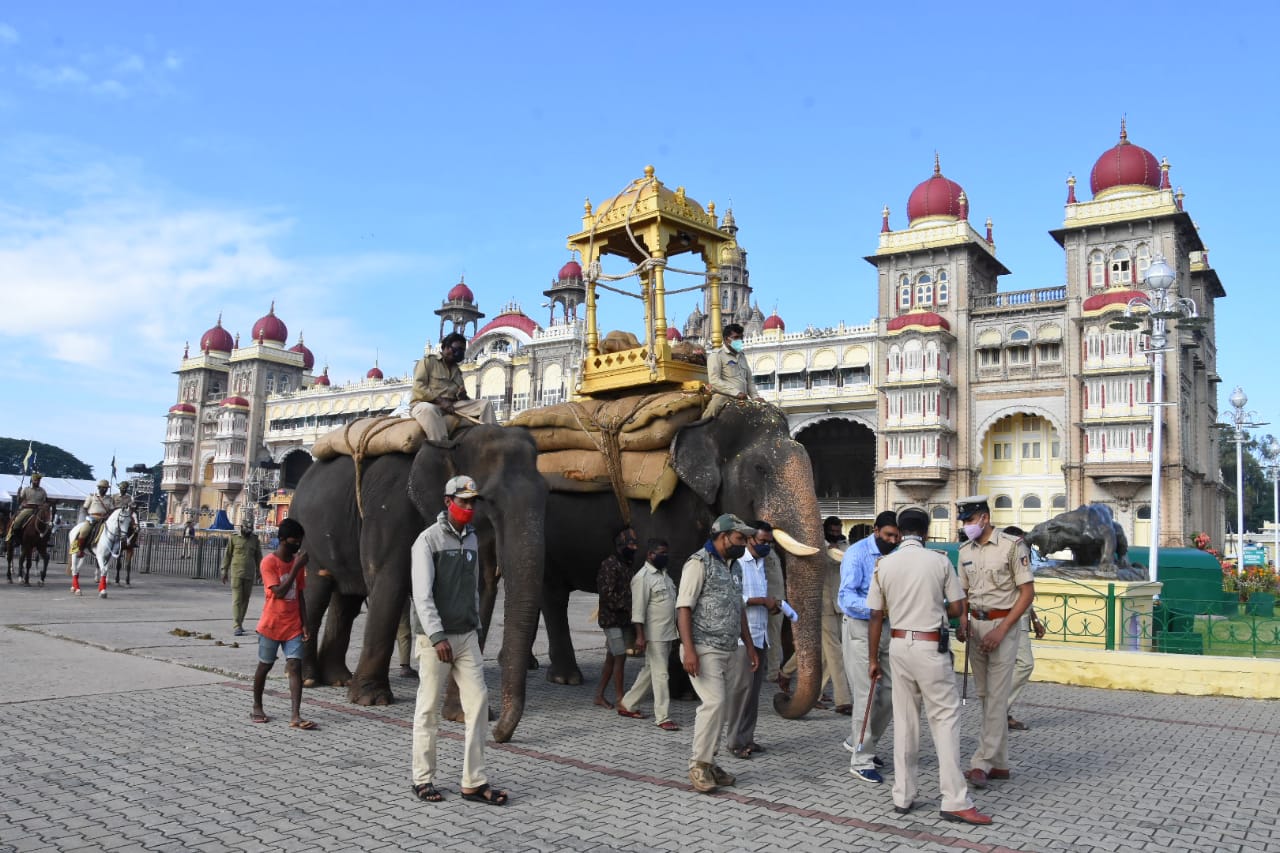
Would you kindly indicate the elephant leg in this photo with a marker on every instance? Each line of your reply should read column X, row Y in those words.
column 332, row 658
column 371, row 685
column 555, row 613
column 488, row 586
column 319, row 589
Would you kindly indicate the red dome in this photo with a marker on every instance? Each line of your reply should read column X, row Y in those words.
column 308, row 360
column 515, row 319
column 1125, row 165
column 774, row 322
column 461, row 293
column 217, row 339
column 374, row 373
column 235, row 401
column 937, row 196
column 673, row 334
column 271, row 328
column 927, row 319
column 182, row 409
column 570, row 270
column 323, row 378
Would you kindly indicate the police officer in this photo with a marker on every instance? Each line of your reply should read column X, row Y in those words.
column 30, row 499
column 920, row 590
column 995, row 572
column 96, row 509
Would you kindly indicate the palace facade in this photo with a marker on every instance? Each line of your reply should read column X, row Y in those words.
column 953, row 387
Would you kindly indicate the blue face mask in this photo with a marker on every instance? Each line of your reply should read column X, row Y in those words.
column 736, row 346
column 762, row 550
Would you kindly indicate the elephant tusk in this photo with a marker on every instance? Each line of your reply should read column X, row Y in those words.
column 791, row 545
column 835, row 554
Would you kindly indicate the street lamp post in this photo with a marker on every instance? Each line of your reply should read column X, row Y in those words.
column 1162, row 304
column 1273, row 451
column 1240, row 421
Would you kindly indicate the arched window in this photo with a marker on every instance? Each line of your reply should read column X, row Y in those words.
column 1144, row 512
column 1143, row 254
column 941, row 513
column 944, row 288
column 904, row 293
column 1003, row 502
column 1121, row 271
column 1059, row 502
column 1031, row 502
column 895, row 359
column 924, row 289
column 1097, row 270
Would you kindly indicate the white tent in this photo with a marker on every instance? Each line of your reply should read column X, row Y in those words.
column 58, row 489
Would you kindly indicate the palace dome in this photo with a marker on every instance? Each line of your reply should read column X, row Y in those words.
column 217, row 339
column 375, row 372
column 925, row 319
column 182, row 409
column 573, row 269
column 308, row 359
column 271, row 328
column 235, row 402
column 673, row 334
column 1125, row 165
column 323, row 378
column 461, row 293
column 510, row 318
column 938, row 196
column 773, row 321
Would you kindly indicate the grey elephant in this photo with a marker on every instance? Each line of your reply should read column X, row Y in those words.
column 357, row 558
column 742, row 461
column 1089, row 532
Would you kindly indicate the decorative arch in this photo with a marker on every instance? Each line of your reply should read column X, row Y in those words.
column 809, row 420
column 984, row 426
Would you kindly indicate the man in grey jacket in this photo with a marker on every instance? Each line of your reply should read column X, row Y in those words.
column 446, row 615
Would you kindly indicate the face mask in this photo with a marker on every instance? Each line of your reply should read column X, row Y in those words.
column 735, row 551
column 973, row 531
column 290, row 548
column 736, row 346
column 460, row 515
column 660, row 561
column 762, row 550
column 628, row 555
column 832, row 537
column 884, row 545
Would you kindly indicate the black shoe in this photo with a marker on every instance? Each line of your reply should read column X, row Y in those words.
column 407, row 671
column 905, row 809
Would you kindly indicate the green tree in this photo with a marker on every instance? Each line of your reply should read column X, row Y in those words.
column 52, row 461
column 1258, row 489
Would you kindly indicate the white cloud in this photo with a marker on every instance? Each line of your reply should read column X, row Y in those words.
column 112, row 72
column 8, row 35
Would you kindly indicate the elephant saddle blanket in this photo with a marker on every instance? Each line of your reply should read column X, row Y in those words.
column 370, row 437
column 620, row 445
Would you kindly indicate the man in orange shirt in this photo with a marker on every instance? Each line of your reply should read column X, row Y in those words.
column 283, row 621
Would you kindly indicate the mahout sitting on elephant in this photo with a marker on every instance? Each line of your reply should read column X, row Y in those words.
column 742, row 461
column 360, row 551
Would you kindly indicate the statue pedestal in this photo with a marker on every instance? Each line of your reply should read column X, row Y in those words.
column 1103, row 613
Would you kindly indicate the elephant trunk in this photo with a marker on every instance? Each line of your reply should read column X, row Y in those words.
column 794, row 507
column 521, row 557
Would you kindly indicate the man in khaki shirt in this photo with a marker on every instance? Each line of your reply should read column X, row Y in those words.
column 438, row 391
column 653, row 611
column 916, row 588
column 728, row 372
column 995, row 571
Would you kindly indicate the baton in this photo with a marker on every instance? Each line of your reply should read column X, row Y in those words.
column 871, row 694
column 964, row 691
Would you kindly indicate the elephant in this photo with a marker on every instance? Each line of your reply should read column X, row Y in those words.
column 742, row 461
column 357, row 557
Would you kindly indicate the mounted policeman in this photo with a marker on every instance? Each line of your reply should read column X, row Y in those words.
column 31, row 499
column 96, row 508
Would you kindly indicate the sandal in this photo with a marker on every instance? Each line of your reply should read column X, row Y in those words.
column 488, row 796
column 255, row 717
column 634, row 715
column 669, row 726
column 756, row 748
column 305, row 725
column 741, row 752
column 427, row 793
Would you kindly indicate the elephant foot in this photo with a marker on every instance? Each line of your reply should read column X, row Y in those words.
column 533, row 662
column 309, row 682
column 558, row 674
column 368, row 694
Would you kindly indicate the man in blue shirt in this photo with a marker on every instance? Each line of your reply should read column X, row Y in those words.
column 856, row 574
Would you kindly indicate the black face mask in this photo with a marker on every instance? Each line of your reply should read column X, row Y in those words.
column 290, row 548
column 733, row 552
column 660, row 561
column 762, row 550
column 832, row 537
column 885, row 546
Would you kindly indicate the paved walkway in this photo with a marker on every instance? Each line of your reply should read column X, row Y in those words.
column 117, row 735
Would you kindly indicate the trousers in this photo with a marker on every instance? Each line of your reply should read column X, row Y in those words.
column 857, row 654
column 241, row 589
column 1025, row 663
column 712, row 686
column 433, row 423
column 924, row 675
column 652, row 675
column 744, row 697
column 993, row 678
column 467, row 669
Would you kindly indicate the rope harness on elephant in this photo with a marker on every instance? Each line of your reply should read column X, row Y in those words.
column 361, row 448
column 608, row 444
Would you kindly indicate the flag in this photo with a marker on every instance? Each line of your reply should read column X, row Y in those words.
column 113, row 468
column 26, row 460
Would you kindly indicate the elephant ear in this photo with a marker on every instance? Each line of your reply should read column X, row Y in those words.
column 695, row 456
column 427, row 477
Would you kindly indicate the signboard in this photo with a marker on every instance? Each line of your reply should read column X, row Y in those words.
column 1255, row 555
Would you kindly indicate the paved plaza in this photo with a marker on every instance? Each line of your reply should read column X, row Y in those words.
column 118, row 735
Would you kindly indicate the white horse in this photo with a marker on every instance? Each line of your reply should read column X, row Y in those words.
column 107, row 550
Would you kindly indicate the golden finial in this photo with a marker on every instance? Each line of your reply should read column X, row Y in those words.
column 1124, row 132
column 711, row 209
column 680, row 195
column 937, row 165
column 586, row 206
column 219, row 318
column 1071, row 181
column 648, row 171
column 989, row 223
column 272, row 310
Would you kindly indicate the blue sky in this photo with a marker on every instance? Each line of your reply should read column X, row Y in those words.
column 162, row 163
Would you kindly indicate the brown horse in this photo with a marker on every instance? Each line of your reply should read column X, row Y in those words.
column 32, row 538
column 127, row 550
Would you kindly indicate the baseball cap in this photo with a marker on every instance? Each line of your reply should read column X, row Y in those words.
column 461, row 486
column 728, row 523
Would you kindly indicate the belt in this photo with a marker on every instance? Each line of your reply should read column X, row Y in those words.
column 988, row 615
column 931, row 636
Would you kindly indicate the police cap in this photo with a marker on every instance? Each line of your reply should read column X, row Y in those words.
column 967, row 508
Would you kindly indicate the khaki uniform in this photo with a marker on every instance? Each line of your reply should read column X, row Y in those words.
column 435, row 384
column 910, row 586
column 31, row 499
column 728, row 374
column 240, row 561
column 1025, row 663
column 990, row 575
column 653, row 605
column 96, row 509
